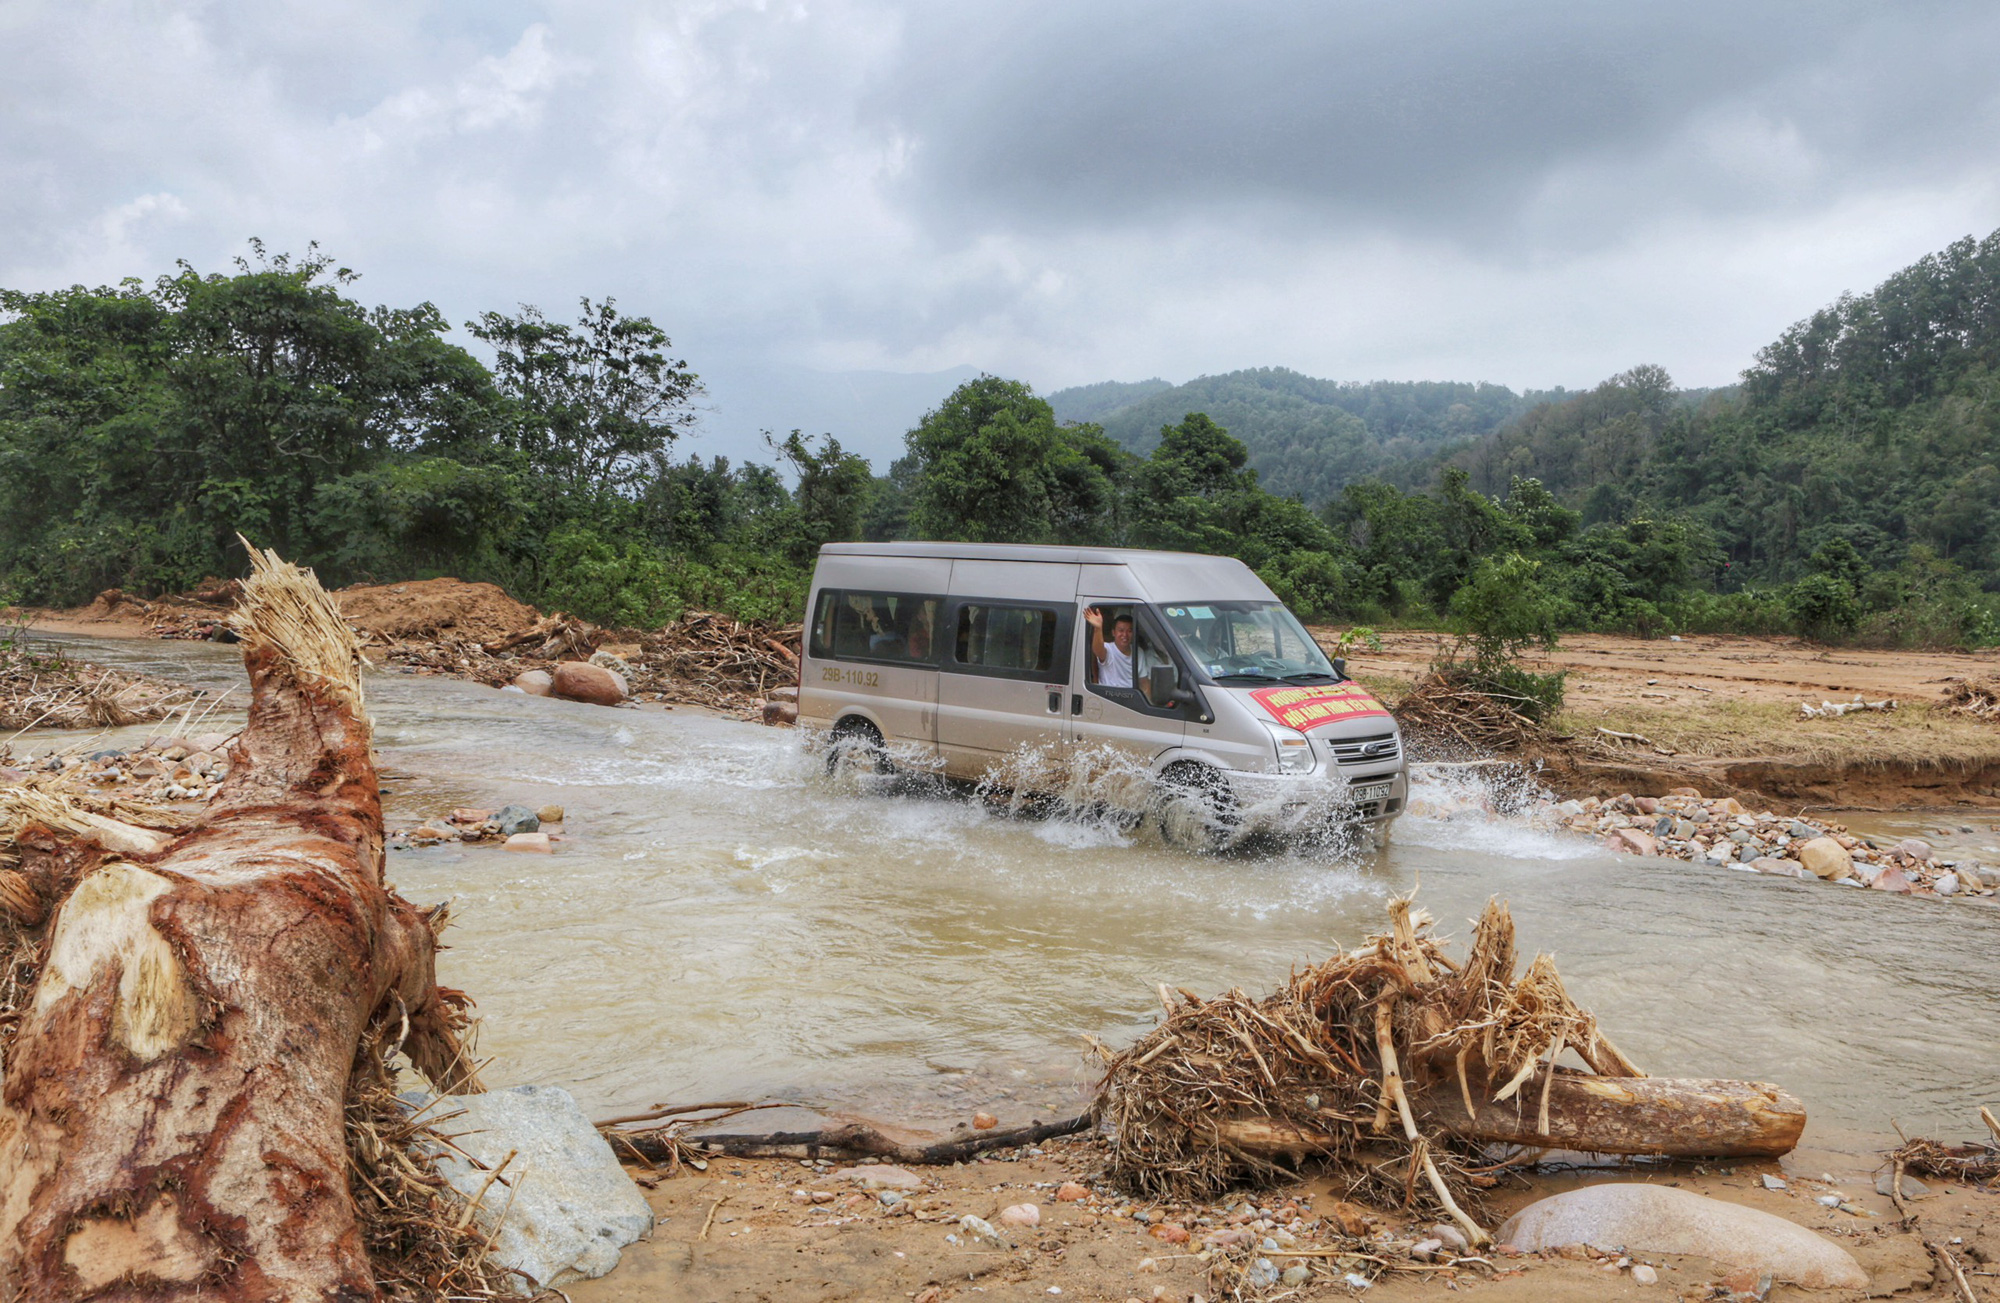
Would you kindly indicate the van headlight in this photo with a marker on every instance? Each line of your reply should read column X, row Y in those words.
column 1295, row 753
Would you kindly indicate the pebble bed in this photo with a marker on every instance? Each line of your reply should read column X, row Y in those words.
column 163, row 771
column 1686, row 826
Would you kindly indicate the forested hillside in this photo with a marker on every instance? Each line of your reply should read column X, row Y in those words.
column 1872, row 425
column 1850, row 486
column 1307, row 438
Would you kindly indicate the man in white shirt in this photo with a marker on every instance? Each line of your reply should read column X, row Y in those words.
column 1113, row 659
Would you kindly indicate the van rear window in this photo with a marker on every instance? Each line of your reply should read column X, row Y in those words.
column 1006, row 638
column 875, row 627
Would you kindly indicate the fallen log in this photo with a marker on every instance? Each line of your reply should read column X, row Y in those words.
column 1660, row 1116
column 171, row 1114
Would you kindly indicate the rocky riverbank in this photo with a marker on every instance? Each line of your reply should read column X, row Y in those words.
column 1684, row 825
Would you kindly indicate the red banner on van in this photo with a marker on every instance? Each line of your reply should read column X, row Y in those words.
column 1308, row 708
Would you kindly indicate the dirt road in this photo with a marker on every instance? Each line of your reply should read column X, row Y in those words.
column 1609, row 672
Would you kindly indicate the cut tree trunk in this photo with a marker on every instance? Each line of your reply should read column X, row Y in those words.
column 1657, row 1116
column 171, row 1119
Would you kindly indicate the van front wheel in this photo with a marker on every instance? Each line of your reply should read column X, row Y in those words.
column 1196, row 810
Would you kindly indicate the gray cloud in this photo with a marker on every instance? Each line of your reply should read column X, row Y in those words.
column 1449, row 118
column 1531, row 193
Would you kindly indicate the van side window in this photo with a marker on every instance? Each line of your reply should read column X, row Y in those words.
column 1016, row 638
column 897, row 627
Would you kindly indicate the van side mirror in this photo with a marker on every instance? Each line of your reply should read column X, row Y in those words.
column 1340, row 666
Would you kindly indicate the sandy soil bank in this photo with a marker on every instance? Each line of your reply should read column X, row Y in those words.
column 735, row 1232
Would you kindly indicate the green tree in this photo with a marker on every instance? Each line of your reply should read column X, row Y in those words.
column 596, row 401
column 991, row 465
column 832, row 493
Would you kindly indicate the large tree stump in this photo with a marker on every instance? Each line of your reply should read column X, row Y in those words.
column 171, row 1118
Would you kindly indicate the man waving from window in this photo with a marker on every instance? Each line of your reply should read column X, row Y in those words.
column 1113, row 659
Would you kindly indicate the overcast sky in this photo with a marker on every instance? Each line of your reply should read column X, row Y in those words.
column 1528, row 193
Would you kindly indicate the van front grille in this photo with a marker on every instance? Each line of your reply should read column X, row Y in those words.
column 1366, row 750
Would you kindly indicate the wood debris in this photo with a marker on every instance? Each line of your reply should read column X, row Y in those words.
column 1835, row 709
column 1443, row 711
column 1980, row 700
column 1399, row 1067
column 42, row 686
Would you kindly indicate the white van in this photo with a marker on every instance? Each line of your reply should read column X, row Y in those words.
column 966, row 656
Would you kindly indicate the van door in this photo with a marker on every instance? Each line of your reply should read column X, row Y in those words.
column 1117, row 720
column 1003, row 689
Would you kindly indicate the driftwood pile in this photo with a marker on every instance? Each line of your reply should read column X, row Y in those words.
column 201, row 1017
column 1449, row 717
column 1980, row 700
column 703, row 658
column 712, row 660
column 41, row 687
column 1403, row 1070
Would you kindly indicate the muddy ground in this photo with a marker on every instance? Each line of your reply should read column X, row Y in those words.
column 736, row 1233
column 1721, row 714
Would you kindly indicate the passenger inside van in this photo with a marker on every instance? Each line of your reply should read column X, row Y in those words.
column 1120, row 655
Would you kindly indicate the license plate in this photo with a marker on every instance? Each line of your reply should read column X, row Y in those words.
column 1370, row 792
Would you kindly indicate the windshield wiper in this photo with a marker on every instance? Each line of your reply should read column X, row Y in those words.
column 1312, row 676
column 1249, row 674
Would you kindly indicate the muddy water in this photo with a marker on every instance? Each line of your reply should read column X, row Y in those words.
column 724, row 920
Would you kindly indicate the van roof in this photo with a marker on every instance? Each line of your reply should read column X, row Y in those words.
column 1167, row 576
column 1103, row 556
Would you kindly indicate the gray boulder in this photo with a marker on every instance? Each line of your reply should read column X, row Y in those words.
column 511, row 819
column 569, row 1207
column 1660, row 1219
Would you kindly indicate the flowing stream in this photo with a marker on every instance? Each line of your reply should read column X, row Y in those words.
column 724, row 920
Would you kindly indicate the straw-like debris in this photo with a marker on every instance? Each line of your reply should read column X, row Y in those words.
column 1970, row 1164
column 43, row 687
column 423, row 1239
column 1229, row 1090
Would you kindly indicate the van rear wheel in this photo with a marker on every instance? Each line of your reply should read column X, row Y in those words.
column 1196, row 811
column 857, row 743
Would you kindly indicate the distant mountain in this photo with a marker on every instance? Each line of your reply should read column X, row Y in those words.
column 868, row 411
column 1097, row 402
column 1308, row 437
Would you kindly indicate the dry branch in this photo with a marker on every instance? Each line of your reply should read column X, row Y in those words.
column 1442, row 710
column 852, row 1140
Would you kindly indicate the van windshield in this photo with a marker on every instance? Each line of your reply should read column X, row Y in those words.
column 1249, row 642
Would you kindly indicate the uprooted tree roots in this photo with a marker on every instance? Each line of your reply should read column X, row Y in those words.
column 1399, row 1067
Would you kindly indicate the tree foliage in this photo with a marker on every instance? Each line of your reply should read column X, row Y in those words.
column 1848, row 488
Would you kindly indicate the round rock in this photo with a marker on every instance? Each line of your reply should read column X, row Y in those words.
column 1660, row 1219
